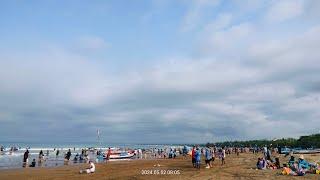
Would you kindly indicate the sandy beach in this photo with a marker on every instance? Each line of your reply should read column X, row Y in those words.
column 237, row 167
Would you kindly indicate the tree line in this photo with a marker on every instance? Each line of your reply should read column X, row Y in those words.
column 311, row 141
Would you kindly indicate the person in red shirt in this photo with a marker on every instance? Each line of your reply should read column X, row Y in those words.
column 193, row 154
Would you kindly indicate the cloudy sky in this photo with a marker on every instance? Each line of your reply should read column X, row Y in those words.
column 161, row 71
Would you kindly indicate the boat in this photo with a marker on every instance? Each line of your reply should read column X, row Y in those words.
column 285, row 150
column 119, row 154
column 306, row 151
column 299, row 151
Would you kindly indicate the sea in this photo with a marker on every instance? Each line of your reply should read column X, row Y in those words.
column 14, row 160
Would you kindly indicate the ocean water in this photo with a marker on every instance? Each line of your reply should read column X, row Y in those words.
column 11, row 160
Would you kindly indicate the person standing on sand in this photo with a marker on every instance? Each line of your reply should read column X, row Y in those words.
column 265, row 152
column 140, row 153
column 269, row 154
column 198, row 158
column 193, row 153
column 108, row 154
column 213, row 156
column 223, row 156
column 208, row 156
column 184, row 151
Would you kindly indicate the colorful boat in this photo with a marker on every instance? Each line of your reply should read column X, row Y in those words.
column 119, row 154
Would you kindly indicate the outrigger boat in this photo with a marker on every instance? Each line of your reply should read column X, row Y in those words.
column 306, row 151
column 114, row 153
column 299, row 151
column 119, row 154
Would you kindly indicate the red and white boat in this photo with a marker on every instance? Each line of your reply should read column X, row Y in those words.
column 118, row 154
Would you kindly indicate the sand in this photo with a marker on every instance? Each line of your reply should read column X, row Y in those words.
column 237, row 167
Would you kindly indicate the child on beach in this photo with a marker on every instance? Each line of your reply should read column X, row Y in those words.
column 89, row 170
column 33, row 163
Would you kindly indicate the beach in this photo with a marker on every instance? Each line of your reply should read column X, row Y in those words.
column 236, row 167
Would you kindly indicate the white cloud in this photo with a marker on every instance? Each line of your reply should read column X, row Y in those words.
column 224, row 41
column 195, row 12
column 92, row 43
column 199, row 75
column 284, row 10
column 288, row 54
column 272, row 92
column 53, row 76
column 247, row 77
column 249, row 5
column 306, row 104
column 222, row 21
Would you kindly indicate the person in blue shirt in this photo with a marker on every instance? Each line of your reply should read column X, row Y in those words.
column 184, row 151
column 302, row 163
column 198, row 158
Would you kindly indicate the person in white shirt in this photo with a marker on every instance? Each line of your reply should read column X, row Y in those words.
column 140, row 153
column 223, row 156
column 89, row 170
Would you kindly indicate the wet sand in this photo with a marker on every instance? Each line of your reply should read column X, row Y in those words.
column 237, row 167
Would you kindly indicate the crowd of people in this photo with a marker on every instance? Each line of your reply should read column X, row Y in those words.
column 42, row 157
column 209, row 154
column 293, row 167
column 77, row 158
column 11, row 150
column 269, row 159
column 163, row 153
column 300, row 167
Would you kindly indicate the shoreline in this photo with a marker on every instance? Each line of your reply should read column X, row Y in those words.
column 236, row 167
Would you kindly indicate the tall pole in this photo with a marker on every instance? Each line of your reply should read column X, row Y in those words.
column 98, row 138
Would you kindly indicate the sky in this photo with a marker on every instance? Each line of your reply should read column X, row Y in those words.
column 158, row 71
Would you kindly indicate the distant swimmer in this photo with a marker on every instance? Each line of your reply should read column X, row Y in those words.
column 68, row 155
column 57, row 153
column 76, row 157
